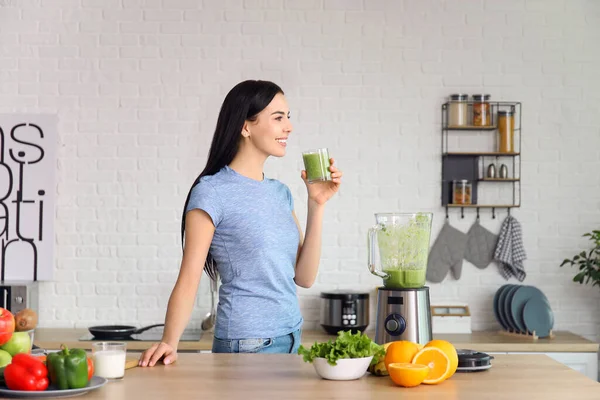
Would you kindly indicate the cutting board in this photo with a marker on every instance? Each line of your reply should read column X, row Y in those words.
column 131, row 362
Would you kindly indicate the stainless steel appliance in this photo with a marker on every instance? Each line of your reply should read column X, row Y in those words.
column 399, row 243
column 344, row 310
column 403, row 314
column 17, row 295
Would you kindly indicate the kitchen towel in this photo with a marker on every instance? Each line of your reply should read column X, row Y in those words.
column 481, row 245
column 447, row 252
column 510, row 251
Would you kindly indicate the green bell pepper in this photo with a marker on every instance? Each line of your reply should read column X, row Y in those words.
column 68, row 369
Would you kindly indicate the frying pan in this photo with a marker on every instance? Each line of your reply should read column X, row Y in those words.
column 108, row 332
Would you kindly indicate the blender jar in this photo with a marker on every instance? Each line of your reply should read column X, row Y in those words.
column 402, row 241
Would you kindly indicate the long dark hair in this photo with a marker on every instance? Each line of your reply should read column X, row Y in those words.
column 241, row 104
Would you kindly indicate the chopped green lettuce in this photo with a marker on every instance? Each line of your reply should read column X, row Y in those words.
column 346, row 345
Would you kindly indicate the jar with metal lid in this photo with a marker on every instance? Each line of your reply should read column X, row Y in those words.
column 481, row 110
column 457, row 110
column 506, row 131
column 461, row 191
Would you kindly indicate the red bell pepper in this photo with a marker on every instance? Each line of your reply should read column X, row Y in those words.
column 26, row 372
column 90, row 365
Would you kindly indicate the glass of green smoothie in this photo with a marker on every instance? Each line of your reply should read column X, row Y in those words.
column 316, row 164
column 402, row 243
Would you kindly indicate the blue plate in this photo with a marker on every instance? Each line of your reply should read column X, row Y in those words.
column 538, row 317
column 521, row 296
column 507, row 307
column 501, row 299
column 497, row 312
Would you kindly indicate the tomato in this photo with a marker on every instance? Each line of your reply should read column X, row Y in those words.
column 7, row 325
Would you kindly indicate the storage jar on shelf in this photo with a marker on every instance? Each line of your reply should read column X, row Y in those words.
column 461, row 191
column 458, row 110
column 506, row 131
column 482, row 115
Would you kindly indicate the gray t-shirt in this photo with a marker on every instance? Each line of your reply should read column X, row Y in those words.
column 254, row 246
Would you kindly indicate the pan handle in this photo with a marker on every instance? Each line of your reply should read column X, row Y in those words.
column 145, row 328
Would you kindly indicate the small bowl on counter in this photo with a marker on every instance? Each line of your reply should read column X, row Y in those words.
column 346, row 369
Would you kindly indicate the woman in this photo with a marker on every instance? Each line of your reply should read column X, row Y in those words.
column 244, row 223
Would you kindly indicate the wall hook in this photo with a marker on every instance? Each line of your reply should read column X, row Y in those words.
column 477, row 213
column 462, row 212
column 447, row 213
column 508, row 209
column 493, row 213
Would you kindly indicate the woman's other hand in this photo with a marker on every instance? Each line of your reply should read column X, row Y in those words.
column 321, row 192
column 158, row 351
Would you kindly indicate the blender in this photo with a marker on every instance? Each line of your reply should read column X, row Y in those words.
column 402, row 242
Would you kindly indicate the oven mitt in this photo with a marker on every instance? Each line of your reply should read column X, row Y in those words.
column 447, row 251
column 456, row 270
column 481, row 244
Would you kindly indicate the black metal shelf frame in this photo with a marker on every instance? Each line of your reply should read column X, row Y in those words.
column 466, row 164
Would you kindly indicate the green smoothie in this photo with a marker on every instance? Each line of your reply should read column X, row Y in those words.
column 404, row 250
column 403, row 279
column 316, row 164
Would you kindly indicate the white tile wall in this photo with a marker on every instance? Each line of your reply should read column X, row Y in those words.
column 137, row 85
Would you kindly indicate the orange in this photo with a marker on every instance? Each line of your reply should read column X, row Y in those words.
column 438, row 362
column 401, row 351
column 407, row 374
column 450, row 351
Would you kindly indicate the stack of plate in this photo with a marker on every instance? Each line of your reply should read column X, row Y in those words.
column 523, row 309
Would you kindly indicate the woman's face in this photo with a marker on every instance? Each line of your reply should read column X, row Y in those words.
column 271, row 129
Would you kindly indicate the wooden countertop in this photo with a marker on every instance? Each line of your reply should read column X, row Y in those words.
column 487, row 341
column 282, row 376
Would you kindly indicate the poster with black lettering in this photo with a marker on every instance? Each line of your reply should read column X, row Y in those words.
column 27, row 193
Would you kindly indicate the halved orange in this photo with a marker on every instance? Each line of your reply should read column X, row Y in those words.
column 438, row 362
column 401, row 351
column 407, row 374
column 450, row 351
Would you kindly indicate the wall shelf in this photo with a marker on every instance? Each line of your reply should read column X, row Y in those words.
column 471, row 165
column 471, row 128
column 481, row 154
column 499, row 180
column 482, row 205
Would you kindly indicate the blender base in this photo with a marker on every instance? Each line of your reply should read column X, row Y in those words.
column 403, row 314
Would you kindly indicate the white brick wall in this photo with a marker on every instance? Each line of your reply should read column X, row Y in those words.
column 137, row 85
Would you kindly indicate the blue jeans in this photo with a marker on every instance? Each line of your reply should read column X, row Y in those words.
column 287, row 344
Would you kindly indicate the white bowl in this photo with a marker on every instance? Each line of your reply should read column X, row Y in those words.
column 346, row 369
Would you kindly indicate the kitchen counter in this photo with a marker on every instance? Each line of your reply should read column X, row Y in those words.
column 487, row 341
column 282, row 376
column 493, row 341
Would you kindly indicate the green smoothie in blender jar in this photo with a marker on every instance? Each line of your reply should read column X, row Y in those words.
column 395, row 278
column 404, row 279
column 404, row 252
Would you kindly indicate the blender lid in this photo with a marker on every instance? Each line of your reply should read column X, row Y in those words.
column 470, row 360
column 344, row 295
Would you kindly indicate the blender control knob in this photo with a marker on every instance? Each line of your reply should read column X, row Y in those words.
column 392, row 325
column 395, row 324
